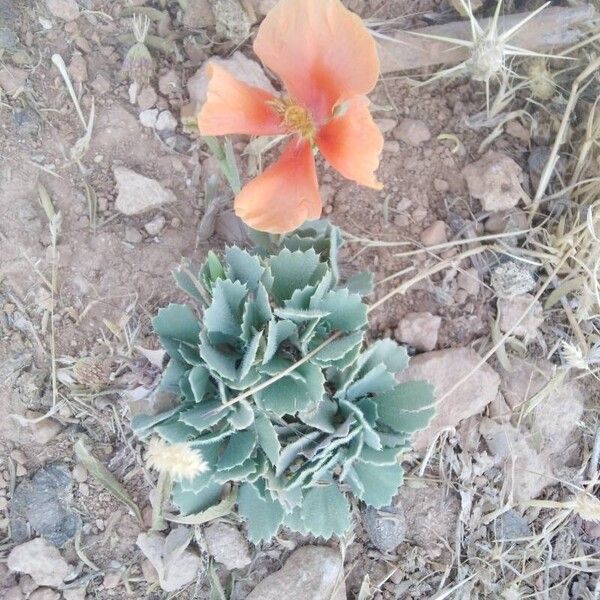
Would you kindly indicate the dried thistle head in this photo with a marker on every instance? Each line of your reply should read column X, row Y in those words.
column 180, row 461
column 540, row 79
column 138, row 65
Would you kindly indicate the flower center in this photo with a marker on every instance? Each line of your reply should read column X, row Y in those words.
column 295, row 118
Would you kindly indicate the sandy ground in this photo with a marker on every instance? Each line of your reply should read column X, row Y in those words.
column 77, row 351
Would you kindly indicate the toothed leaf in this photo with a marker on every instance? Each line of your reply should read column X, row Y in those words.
column 263, row 514
column 326, row 511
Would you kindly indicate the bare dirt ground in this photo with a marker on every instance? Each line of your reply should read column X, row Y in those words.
column 76, row 352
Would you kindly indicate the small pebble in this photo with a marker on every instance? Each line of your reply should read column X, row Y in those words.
column 44, row 593
column 80, row 473
column 132, row 235
column 469, row 281
column 385, row 125
column 441, row 185
column 412, row 132
column 111, row 580
column 155, row 226
column 147, row 98
column 166, row 122
column 148, row 117
column 434, row 234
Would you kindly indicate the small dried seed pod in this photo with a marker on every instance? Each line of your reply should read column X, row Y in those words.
column 91, row 373
column 138, row 65
column 541, row 79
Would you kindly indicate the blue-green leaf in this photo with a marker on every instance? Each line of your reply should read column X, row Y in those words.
column 406, row 408
column 263, row 514
column 267, row 438
column 175, row 324
column 243, row 267
column 376, row 485
column 361, row 283
column 288, row 395
column 203, row 416
column 279, row 331
column 190, row 503
column 326, row 511
column 199, row 381
column 292, row 271
column 347, row 311
column 239, row 448
column 224, row 315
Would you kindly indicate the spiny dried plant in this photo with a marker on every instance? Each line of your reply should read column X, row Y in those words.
column 489, row 50
column 274, row 391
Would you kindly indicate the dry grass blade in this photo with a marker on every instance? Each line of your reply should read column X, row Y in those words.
column 105, row 477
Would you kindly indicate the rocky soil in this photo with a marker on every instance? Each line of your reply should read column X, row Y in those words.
column 95, row 213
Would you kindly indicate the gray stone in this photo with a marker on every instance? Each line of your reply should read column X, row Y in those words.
column 434, row 234
column 469, row 281
column 138, row 194
column 386, row 527
column 444, row 369
column 511, row 279
column 43, row 504
column 227, row 546
column 420, row 330
column 8, row 38
column 176, row 565
column 232, row 21
column 239, row 65
column 155, row 226
column 12, row 593
column 148, row 117
column 166, row 122
column 147, row 98
column 526, row 471
column 386, row 125
column 510, row 310
column 511, row 525
column 67, row 10
column 46, row 430
column 495, row 179
column 311, row 572
column 44, row 593
column 40, row 559
column 412, row 132
column 132, row 235
column 27, row 121
column 198, row 14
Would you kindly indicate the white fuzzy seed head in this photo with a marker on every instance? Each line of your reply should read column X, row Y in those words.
column 587, row 507
column 180, row 461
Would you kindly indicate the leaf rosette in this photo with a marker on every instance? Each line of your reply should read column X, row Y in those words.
column 272, row 384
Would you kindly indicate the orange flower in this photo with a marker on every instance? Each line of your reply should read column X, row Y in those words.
column 328, row 62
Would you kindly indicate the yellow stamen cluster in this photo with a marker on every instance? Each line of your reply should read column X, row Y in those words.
column 295, row 118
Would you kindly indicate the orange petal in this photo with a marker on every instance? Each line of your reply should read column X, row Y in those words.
column 321, row 51
column 235, row 107
column 352, row 143
column 284, row 195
